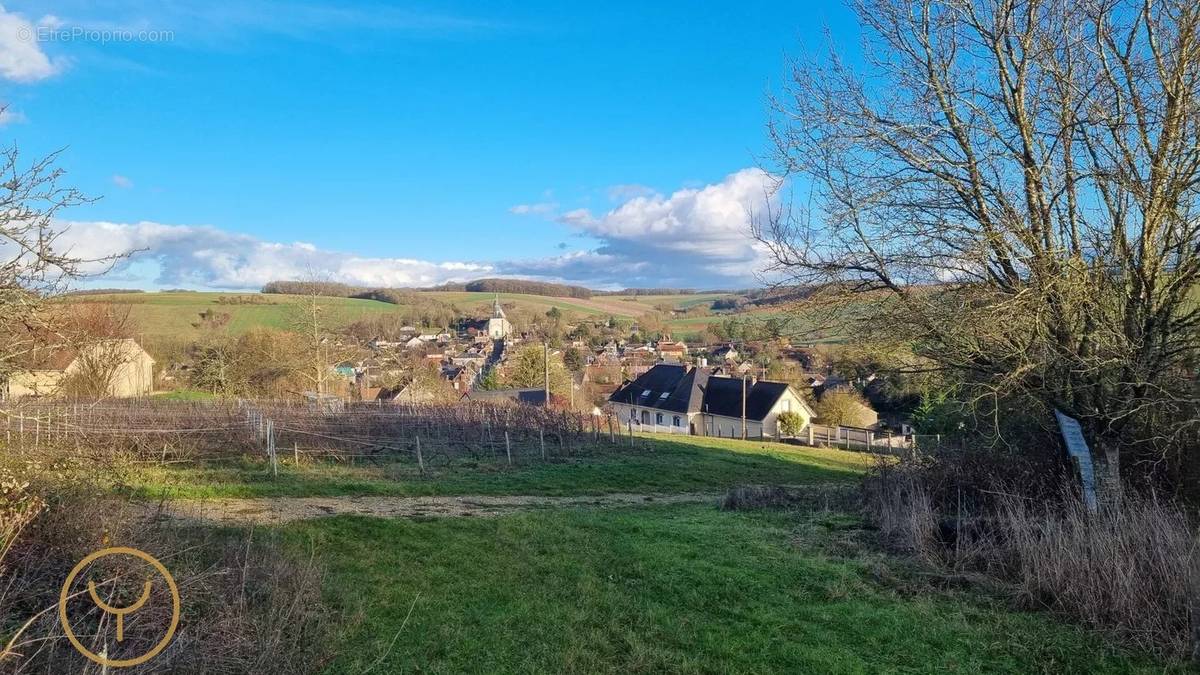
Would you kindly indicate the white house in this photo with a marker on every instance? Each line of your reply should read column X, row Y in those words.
column 120, row 367
column 682, row 399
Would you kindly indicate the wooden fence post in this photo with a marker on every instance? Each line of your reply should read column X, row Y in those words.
column 542, row 441
column 420, row 458
column 507, row 447
column 270, row 429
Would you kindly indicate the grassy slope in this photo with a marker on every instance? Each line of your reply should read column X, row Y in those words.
column 594, row 307
column 172, row 314
column 666, row 589
column 691, row 464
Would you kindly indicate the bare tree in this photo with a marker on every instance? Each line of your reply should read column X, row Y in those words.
column 1010, row 186
column 96, row 333
column 323, row 348
column 33, row 266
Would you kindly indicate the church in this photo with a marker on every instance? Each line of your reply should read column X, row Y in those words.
column 498, row 327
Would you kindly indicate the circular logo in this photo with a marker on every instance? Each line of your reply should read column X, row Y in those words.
column 64, row 595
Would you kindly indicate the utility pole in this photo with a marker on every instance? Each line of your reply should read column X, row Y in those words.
column 743, row 407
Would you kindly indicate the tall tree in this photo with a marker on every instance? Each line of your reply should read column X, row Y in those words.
column 1011, row 186
column 323, row 349
column 526, row 369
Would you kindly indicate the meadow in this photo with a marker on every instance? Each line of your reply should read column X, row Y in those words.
column 656, row 587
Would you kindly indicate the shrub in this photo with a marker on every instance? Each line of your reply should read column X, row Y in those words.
column 844, row 408
column 790, row 423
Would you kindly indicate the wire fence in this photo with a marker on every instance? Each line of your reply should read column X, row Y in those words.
column 165, row 431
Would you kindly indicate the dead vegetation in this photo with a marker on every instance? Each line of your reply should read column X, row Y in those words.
column 249, row 602
column 1130, row 569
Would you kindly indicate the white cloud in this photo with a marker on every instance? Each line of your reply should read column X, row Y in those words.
column 538, row 209
column 693, row 237
column 9, row 116
column 122, row 182
column 627, row 191
column 21, row 56
column 208, row 257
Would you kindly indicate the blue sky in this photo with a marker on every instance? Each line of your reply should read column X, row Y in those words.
column 610, row 144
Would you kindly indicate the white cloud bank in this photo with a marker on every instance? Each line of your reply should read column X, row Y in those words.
column 208, row 257
column 696, row 238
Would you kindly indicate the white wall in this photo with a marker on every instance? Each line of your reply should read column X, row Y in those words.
column 789, row 402
column 646, row 419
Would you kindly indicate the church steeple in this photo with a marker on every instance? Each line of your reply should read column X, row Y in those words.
column 497, row 311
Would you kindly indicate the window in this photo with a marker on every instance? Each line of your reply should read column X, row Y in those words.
column 664, row 395
column 676, row 421
column 658, row 418
column 633, row 414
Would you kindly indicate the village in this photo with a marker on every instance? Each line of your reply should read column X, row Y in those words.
column 595, row 367
column 628, row 337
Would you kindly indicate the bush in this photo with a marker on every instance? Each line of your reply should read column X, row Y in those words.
column 790, row 423
column 844, row 408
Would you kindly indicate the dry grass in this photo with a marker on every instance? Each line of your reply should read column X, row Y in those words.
column 1131, row 570
column 774, row 497
column 247, row 605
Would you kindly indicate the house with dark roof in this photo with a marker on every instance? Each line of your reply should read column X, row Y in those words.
column 527, row 396
column 678, row 398
column 724, row 353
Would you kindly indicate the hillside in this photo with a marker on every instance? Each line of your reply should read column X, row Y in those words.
column 173, row 313
column 170, row 315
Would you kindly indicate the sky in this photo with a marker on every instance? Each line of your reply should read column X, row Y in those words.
column 233, row 143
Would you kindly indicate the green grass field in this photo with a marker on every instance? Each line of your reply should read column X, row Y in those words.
column 662, row 465
column 671, row 589
column 172, row 314
column 679, row 588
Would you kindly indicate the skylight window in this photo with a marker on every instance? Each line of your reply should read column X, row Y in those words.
column 663, row 395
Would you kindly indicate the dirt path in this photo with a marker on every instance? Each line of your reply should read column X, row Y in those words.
column 274, row 510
